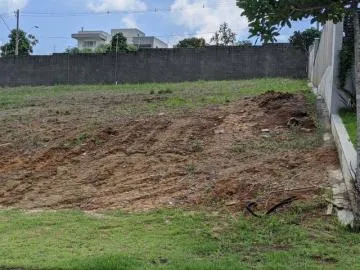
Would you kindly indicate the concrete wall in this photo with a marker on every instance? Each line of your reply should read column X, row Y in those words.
column 155, row 65
column 324, row 65
column 323, row 74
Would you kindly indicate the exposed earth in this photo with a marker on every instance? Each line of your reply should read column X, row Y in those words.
column 263, row 149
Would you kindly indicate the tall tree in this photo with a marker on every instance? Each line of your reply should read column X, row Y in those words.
column 303, row 40
column 224, row 36
column 26, row 44
column 191, row 43
column 118, row 43
column 267, row 17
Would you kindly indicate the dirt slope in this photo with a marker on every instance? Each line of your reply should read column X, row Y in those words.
column 262, row 148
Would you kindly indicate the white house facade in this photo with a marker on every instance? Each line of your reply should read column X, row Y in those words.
column 93, row 39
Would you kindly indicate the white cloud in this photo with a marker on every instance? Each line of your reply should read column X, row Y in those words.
column 11, row 5
column 204, row 17
column 116, row 5
column 129, row 21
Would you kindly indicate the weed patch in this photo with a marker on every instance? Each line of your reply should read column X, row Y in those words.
column 294, row 141
column 78, row 141
column 349, row 120
column 196, row 145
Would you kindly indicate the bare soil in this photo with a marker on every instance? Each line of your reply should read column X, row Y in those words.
column 249, row 150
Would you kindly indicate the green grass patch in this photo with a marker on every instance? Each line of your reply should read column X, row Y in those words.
column 185, row 94
column 175, row 239
column 349, row 120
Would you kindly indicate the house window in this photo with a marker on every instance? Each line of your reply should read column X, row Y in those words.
column 89, row 44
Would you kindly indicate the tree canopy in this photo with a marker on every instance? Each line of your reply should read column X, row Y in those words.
column 303, row 40
column 267, row 17
column 26, row 44
column 118, row 43
column 191, row 43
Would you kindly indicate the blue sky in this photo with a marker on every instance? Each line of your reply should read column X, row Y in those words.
column 170, row 20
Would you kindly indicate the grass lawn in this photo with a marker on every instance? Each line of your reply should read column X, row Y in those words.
column 200, row 238
column 349, row 120
column 186, row 94
column 176, row 239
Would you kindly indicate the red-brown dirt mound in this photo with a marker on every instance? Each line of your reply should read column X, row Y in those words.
column 285, row 109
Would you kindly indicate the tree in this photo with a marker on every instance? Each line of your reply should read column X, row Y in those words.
column 303, row 40
column 102, row 48
column 267, row 17
column 224, row 36
column 191, row 43
column 73, row 50
column 131, row 48
column 26, row 44
column 118, row 43
column 76, row 50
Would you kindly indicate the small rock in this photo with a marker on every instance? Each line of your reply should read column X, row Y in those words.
column 329, row 210
column 265, row 130
column 232, row 203
column 306, row 129
column 219, row 131
column 5, row 144
column 161, row 114
column 327, row 137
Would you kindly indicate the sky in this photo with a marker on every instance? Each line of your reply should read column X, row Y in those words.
column 53, row 21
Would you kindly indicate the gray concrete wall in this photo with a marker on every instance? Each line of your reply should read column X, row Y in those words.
column 324, row 65
column 155, row 65
column 323, row 69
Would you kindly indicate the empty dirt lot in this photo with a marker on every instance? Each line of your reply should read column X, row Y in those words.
column 92, row 151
